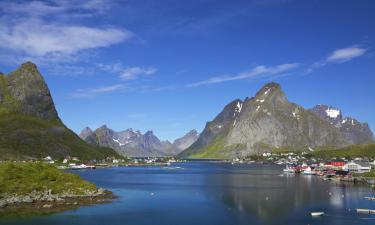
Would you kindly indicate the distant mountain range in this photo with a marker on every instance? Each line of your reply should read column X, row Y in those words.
column 31, row 128
column 135, row 144
column 29, row 124
column 269, row 122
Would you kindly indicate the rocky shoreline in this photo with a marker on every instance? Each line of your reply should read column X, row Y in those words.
column 46, row 202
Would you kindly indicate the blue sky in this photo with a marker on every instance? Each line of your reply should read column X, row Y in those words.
column 170, row 66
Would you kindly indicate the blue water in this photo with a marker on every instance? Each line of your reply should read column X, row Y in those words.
column 201, row 193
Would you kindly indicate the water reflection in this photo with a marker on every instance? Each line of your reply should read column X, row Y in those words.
column 267, row 195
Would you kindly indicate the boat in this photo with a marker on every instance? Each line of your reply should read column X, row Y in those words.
column 309, row 171
column 367, row 211
column 289, row 169
column 83, row 166
column 316, row 213
column 369, row 198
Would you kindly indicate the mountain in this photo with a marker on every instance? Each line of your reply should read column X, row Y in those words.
column 29, row 123
column 353, row 130
column 186, row 141
column 263, row 123
column 135, row 144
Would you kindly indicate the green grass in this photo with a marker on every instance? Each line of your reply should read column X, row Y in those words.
column 353, row 151
column 367, row 174
column 215, row 150
column 23, row 178
column 24, row 136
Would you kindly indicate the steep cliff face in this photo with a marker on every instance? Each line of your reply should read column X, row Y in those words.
column 354, row 131
column 265, row 122
column 25, row 91
column 29, row 123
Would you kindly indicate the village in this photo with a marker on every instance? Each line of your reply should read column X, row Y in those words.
column 75, row 163
column 359, row 169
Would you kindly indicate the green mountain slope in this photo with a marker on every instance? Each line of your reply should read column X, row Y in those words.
column 29, row 123
column 365, row 150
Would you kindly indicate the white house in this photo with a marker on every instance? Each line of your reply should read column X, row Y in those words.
column 357, row 167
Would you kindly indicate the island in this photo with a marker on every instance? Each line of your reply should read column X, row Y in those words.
column 39, row 188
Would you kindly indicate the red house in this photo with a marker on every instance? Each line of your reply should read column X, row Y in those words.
column 337, row 163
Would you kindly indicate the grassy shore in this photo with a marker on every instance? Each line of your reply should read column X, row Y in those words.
column 38, row 188
column 370, row 174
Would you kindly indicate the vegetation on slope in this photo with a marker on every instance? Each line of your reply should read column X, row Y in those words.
column 352, row 151
column 370, row 174
column 215, row 150
column 23, row 178
column 24, row 136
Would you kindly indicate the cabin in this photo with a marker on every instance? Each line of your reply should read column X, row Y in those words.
column 357, row 167
column 338, row 163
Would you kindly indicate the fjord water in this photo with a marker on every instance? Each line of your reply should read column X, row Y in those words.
column 203, row 193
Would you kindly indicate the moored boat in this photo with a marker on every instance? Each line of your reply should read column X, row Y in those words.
column 289, row 169
column 367, row 211
column 316, row 213
column 309, row 171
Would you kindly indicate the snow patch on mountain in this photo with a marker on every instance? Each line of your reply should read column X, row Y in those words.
column 333, row 113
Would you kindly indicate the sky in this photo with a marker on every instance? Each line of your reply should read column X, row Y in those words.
column 170, row 66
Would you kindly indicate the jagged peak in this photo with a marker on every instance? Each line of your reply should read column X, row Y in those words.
column 28, row 64
column 328, row 110
column 270, row 89
column 103, row 127
column 149, row 133
column 86, row 129
column 193, row 131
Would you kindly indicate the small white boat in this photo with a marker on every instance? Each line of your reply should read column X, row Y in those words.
column 316, row 213
column 366, row 211
column 288, row 170
column 309, row 171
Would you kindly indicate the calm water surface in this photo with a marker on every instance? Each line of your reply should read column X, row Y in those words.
column 202, row 193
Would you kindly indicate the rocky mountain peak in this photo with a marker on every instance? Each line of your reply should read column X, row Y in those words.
column 271, row 92
column 103, row 127
column 149, row 133
column 86, row 132
column 353, row 130
column 27, row 93
column 192, row 133
column 329, row 113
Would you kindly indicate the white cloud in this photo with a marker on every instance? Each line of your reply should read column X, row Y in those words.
column 345, row 54
column 38, row 38
column 338, row 56
column 56, row 8
column 254, row 73
column 87, row 93
column 53, row 31
column 134, row 72
column 127, row 73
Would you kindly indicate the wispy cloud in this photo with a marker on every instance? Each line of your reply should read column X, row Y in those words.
column 92, row 92
column 134, row 72
column 338, row 56
column 346, row 54
column 259, row 71
column 127, row 73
